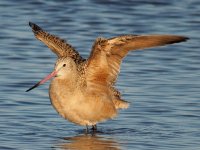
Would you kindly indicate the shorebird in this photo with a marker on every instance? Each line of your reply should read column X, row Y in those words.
column 83, row 90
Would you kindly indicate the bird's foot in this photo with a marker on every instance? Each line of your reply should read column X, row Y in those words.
column 94, row 127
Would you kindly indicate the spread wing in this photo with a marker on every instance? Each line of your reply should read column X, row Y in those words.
column 57, row 45
column 107, row 54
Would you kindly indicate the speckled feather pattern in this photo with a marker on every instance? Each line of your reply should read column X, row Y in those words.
column 90, row 96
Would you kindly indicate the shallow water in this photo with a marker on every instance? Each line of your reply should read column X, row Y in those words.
column 162, row 83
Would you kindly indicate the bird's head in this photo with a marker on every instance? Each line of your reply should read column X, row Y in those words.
column 65, row 67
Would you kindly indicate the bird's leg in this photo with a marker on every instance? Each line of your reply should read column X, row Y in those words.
column 87, row 129
column 94, row 127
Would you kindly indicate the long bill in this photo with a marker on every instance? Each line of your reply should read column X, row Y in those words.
column 43, row 80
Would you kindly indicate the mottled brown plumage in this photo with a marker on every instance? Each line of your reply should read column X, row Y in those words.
column 83, row 90
column 59, row 46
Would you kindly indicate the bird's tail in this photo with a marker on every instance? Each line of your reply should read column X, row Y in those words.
column 120, row 104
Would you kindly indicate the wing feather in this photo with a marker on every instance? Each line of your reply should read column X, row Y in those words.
column 107, row 54
column 59, row 46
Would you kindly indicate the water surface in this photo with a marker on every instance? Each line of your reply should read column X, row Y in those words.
column 162, row 83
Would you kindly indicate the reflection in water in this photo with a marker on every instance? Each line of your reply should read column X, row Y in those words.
column 88, row 142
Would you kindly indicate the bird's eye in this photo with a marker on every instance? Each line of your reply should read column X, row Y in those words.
column 64, row 65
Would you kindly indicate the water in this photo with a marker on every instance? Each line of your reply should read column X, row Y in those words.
column 162, row 83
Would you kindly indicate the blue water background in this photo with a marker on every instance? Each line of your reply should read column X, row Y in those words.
column 162, row 84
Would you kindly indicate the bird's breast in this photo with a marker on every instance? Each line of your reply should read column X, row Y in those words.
column 63, row 96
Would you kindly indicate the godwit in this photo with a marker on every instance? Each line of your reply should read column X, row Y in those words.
column 83, row 90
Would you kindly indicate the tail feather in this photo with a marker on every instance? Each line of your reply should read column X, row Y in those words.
column 120, row 104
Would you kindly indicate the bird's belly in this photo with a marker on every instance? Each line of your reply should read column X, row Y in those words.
column 64, row 105
column 81, row 110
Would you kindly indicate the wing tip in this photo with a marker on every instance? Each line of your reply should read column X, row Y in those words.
column 35, row 28
column 171, row 39
column 184, row 38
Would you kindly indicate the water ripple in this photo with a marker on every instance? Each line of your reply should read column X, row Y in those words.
column 162, row 83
